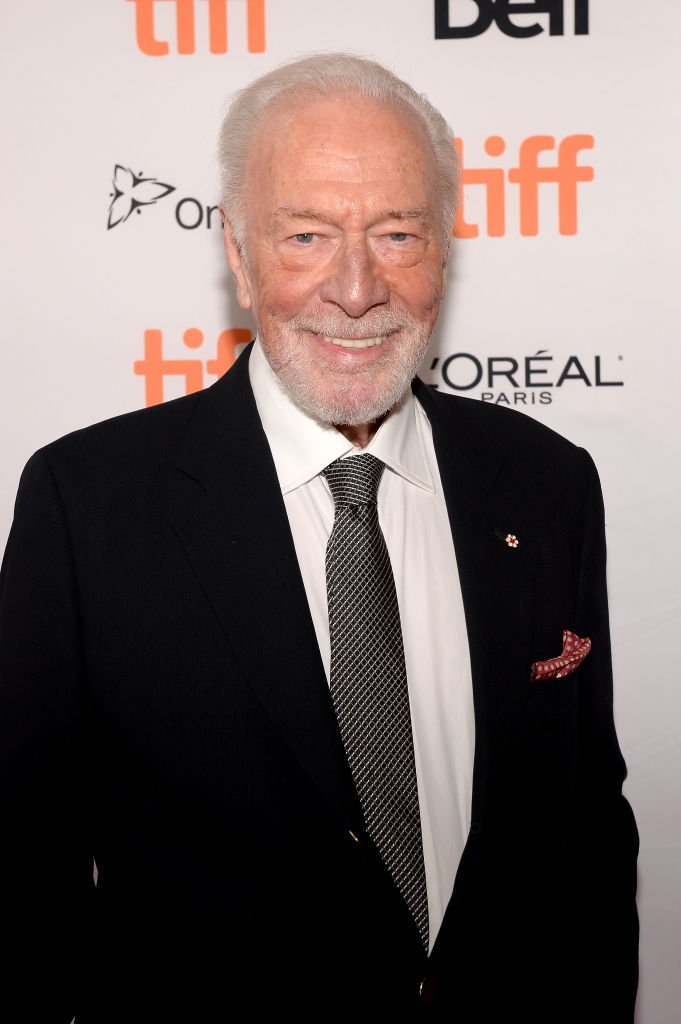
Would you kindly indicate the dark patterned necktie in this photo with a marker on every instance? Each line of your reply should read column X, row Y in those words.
column 369, row 678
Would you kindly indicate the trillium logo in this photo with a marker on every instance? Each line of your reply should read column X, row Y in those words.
column 131, row 192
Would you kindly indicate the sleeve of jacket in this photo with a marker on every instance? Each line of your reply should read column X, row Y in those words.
column 46, row 864
column 607, row 844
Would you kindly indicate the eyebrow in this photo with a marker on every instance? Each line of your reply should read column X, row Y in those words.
column 416, row 213
column 290, row 211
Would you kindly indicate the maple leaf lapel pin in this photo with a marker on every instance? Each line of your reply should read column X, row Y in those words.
column 509, row 539
column 571, row 657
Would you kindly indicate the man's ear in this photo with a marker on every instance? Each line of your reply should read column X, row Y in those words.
column 235, row 259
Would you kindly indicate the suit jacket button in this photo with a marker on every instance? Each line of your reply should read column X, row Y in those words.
column 428, row 990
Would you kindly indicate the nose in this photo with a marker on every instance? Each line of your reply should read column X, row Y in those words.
column 355, row 283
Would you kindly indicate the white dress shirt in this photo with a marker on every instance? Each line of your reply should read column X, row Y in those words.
column 415, row 524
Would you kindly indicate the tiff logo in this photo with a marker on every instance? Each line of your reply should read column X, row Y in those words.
column 528, row 175
column 150, row 44
column 155, row 367
column 503, row 12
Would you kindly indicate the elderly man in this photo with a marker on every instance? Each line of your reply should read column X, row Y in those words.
column 315, row 664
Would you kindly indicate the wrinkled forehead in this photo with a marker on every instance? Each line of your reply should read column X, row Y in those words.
column 295, row 126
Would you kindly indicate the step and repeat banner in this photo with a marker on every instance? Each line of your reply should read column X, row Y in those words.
column 563, row 300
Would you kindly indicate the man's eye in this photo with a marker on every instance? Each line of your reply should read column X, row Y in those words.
column 304, row 237
column 398, row 236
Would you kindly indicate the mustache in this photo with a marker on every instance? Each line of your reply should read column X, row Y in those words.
column 374, row 324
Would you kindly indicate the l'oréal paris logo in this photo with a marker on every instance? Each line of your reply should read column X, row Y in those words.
column 522, row 380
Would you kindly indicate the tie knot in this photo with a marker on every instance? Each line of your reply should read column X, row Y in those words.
column 355, row 481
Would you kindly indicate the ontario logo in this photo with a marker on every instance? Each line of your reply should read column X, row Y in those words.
column 131, row 193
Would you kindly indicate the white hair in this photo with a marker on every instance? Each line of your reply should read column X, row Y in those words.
column 327, row 74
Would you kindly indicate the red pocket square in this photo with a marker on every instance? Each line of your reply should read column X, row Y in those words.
column 573, row 654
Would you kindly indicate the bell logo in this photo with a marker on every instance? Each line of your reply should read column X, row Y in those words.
column 529, row 174
column 185, row 22
column 155, row 367
column 503, row 12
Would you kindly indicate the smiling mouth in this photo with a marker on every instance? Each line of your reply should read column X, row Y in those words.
column 355, row 342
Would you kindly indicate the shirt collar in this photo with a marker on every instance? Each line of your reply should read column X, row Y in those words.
column 302, row 447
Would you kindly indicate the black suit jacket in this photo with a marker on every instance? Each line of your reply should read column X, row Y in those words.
column 165, row 711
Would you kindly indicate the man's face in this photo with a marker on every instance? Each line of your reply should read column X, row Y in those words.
column 344, row 267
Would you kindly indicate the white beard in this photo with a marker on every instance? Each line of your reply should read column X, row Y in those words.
column 358, row 396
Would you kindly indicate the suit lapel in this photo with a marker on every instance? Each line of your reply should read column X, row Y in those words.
column 485, row 505
column 231, row 520
column 496, row 579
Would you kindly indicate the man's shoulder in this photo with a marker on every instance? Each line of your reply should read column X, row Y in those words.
column 507, row 427
column 533, row 453
column 125, row 463
column 101, row 465
column 152, row 437
column 155, row 425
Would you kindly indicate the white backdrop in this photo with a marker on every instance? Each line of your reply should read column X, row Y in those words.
column 581, row 308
